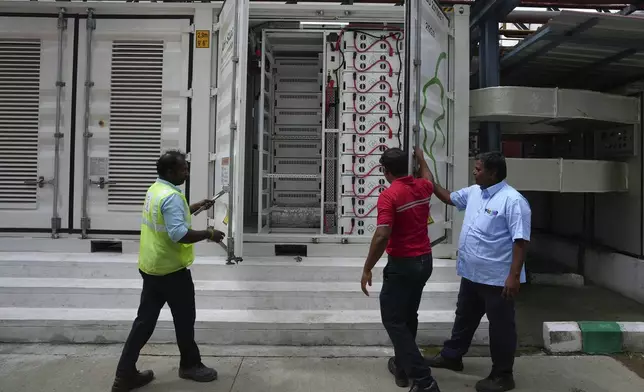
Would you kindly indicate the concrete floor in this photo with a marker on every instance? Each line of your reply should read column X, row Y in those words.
column 90, row 369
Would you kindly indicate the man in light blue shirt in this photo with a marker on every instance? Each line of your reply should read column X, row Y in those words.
column 491, row 253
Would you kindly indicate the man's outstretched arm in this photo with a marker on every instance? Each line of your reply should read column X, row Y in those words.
column 443, row 194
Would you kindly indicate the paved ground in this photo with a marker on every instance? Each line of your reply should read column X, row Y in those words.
column 90, row 369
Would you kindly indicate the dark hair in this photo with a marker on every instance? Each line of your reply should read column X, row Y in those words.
column 395, row 161
column 169, row 161
column 494, row 162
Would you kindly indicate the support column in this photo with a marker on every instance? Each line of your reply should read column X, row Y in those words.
column 489, row 76
column 202, row 130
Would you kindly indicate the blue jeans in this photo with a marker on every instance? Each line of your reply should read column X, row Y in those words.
column 402, row 289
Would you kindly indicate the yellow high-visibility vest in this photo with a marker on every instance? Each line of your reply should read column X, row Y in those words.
column 158, row 254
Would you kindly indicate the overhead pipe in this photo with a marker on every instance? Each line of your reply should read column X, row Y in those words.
column 540, row 17
column 588, row 4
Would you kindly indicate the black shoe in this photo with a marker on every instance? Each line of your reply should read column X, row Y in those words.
column 440, row 362
column 496, row 384
column 399, row 374
column 199, row 373
column 133, row 381
column 433, row 387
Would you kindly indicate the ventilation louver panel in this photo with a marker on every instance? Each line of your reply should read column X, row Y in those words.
column 136, row 105
column 19, row 119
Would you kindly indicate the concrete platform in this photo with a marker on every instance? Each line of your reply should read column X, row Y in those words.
column 91, row 369
column 92, row 298
column 235, row 327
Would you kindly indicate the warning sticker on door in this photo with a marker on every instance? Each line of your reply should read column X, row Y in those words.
column 203, row 39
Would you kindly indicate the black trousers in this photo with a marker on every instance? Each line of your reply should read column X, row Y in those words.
column 402, row 289
column 475, row 300
column 178, row 290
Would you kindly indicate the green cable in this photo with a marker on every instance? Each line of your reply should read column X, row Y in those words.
column 437, row 128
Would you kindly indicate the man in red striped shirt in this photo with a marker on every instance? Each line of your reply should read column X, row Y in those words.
column 403, row 212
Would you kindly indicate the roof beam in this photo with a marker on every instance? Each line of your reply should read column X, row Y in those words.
column 574, row 76
column 556, row 41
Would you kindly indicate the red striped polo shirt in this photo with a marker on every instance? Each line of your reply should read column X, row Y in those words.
column 404, row 207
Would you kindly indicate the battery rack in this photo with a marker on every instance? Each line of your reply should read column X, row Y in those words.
column 293, row 175
column 370, row 121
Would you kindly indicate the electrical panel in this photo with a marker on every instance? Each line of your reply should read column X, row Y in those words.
column 329, row 118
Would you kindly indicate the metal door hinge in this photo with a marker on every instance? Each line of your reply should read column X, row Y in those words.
column 186, row 93
column 415, row 129
column 85, row 223
column 450, row 95
column 216, row 27
column 417, row 63
column 213, row 91
column 188, row 156
column 212, row 156
column 190, row 29
column 449, row 160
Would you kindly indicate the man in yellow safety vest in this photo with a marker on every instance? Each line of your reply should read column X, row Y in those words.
column 165, row 253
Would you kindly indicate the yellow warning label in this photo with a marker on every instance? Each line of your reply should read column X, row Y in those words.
column 430, row 220
column 226, row 220
column 203, row 39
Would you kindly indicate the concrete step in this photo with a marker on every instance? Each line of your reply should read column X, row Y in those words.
column 125, row 293
column 222, row 327
column 278, row 269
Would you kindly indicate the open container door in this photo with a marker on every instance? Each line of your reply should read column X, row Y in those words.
column 426, row 98
column 231, row 119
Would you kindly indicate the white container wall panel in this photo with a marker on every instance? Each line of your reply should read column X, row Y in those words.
column 354, row 82
column 531, row 104
column 359, row 207
column 138, row 109
column 298, row 100
column 362, row 187
column 374, row 42
column 293, row 83
column 298, row 117
column 297, row 148
column 373, row 62
column 28, row 78
column 358, row 226
column 566, row 175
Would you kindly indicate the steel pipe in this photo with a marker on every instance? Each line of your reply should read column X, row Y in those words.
column 60, row 84
column 541, row 17
column 91, row 26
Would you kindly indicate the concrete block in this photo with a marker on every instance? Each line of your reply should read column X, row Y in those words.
column 562, row 337
column 632, row 336
column 567, row 280
column 601, row 337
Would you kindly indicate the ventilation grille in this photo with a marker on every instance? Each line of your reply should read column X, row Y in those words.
column 136, row 104
column 19, row 104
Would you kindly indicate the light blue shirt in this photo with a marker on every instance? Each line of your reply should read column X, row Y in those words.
column 494, row 218
column 174, row 214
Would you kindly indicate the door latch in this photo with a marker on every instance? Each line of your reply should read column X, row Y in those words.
column 102, row 182
column 41, row 182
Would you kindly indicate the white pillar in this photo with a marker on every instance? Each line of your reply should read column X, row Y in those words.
column 202, row 131
column 461, row 141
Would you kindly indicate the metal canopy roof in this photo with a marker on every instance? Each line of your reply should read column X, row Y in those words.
column 578, row 50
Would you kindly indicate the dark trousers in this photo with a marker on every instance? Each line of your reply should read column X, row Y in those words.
column 402, row 289
column 475, row 300
column 178, row 290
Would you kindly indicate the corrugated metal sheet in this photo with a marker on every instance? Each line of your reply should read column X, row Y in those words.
column 594, row 51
